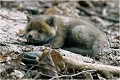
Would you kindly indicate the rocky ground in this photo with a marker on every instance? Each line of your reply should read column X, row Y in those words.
column 103, row 14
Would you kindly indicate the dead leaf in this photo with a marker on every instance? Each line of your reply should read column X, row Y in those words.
column 52, row 10
column 20, row 33
column 16, row 61
column 117, row 37
column 47, row 65
column 2, row 58
column 51, row 62
column 56, row 57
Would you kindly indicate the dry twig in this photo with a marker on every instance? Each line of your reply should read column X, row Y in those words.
column 73, row 74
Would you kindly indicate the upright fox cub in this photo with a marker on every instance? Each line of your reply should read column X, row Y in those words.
column 75, row 35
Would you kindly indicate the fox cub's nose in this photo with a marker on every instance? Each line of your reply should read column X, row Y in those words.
column 29, row 36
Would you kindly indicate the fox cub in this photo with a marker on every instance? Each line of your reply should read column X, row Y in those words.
column 72, row 34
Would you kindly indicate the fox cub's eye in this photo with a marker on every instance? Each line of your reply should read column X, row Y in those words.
column 28, row 30
column 40, row 31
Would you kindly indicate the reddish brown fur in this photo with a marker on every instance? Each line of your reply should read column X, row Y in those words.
column 44, row 26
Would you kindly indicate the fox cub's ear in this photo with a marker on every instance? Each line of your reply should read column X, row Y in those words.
column 51, row 21
column 29, row 18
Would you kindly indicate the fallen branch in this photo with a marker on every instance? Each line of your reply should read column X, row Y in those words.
column 72, row 63
column 91, row 13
